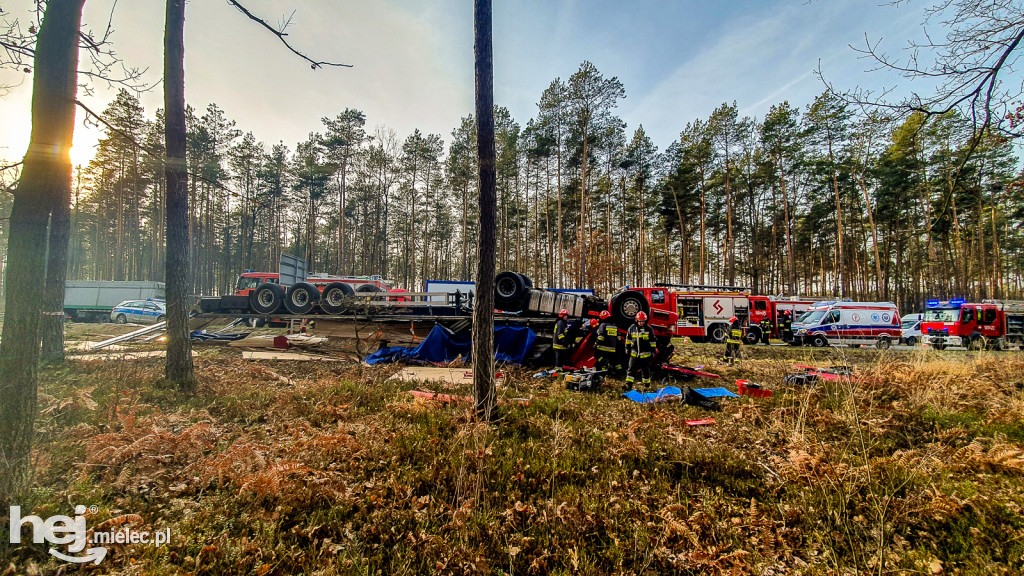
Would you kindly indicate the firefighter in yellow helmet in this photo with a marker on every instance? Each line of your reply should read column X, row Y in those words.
column 640, row 347
column 733, row 340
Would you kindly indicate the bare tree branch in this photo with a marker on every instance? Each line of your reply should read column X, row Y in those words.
column 280, row 33
column 974, row 65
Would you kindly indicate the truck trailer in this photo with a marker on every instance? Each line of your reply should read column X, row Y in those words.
column 92, row 301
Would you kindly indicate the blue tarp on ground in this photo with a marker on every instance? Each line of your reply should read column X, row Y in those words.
column 666, row 393
column 715, row 393
column 511, row 344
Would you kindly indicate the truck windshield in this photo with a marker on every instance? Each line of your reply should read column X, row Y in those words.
column 811, row 317
column 247, row 283
column 941, row 315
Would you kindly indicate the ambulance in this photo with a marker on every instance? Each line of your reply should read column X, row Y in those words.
column 851, row 323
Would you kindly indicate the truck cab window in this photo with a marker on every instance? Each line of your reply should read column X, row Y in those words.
column 760, row 305
column 657, row 297
column 966, row 315
column 990, row 316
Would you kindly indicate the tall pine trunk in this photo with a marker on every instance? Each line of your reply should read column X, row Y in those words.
column 56, row 274
column 483, row 312
column 45, row 179
column 178, row 369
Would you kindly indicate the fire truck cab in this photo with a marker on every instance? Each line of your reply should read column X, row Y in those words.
column 991, row 324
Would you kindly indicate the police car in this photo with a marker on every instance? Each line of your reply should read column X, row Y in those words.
column 147, row 311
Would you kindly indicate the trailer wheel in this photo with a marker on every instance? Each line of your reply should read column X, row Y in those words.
column 819, row 341
column 884, row 342
column 626, row 305
column 752, row 335
column 266, row 298
column 301, row 297
column 370, row 289
column 121, row 319
column 336, row 298
column 527, row 281
column 717, row 333
column 510, row 290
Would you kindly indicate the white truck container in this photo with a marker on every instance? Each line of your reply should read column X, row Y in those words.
column 852, row 323
column 92, row 301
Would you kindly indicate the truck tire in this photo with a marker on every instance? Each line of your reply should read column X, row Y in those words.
column 819, row 341
column 976, row 343
column 300, row 298
column 717, row 333
column 266, row 298
column 527, row 281
column 939, row 346
column 626, row 304
column 752, row 335
column 510, row 291
column 369, row 289
column 336, row 298
column 883, row 343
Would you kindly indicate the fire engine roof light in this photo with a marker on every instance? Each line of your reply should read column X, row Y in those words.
column 933, row 302
column 957, row 301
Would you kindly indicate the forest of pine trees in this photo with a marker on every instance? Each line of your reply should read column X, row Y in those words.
column 819, row 200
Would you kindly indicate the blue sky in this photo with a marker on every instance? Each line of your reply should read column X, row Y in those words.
column 678, row 60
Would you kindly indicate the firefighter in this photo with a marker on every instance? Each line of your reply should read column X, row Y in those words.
column 733, row 341
column 766, row 330
column 640, row 346
column 787, row 326
column 606, row 346
column 562, row 338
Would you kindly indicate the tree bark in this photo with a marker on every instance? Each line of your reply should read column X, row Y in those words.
column 483, row 312
column 56, row 274
column 178, row 369
column 46, row 176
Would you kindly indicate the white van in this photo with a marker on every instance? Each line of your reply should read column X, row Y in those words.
column 910, row 329
column 852, row 323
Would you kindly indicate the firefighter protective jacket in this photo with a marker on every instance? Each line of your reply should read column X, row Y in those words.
column 787, row 322
column 607, row 336
column 640, row 341
column 561, row 335
column 766, row 324
column 735, row 334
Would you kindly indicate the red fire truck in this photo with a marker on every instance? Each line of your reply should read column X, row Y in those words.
column 991, row 324
column 702, row 312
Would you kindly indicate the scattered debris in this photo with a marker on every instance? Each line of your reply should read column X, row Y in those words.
column 123, row 355
column 700, row 422
column 752, row 389
column 259, row 355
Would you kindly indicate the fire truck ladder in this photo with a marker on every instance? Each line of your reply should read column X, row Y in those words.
column 703, row 287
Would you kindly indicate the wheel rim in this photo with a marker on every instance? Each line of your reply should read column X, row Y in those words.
column 718, row 333
column 300, row 298
column 265, row 298
column 506, row 287
column 631, row 307
column 334, row 297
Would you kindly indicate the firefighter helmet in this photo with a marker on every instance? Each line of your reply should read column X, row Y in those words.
column 593, row 322
column 605, row 314
column 733, row 319
column 563, row 313
column 641, row 316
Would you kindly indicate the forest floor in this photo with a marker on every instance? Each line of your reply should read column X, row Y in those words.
column 912, row 466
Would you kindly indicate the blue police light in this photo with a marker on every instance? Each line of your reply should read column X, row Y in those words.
column 933, row 302
column 957, row 302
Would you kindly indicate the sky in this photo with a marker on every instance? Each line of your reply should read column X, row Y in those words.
column 412, row 60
